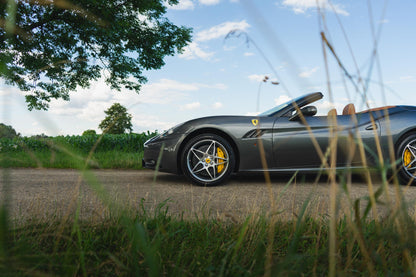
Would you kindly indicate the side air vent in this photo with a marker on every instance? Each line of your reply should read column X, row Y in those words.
column 255, row 133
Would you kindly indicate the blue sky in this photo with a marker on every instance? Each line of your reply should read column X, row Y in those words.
column 217, row 76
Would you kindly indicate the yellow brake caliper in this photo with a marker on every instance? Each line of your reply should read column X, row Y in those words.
column 220, row 154
column 407, row 157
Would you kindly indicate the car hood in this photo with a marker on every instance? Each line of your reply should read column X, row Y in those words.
column 213, row 121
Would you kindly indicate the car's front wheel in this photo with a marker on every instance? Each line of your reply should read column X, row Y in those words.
column 208, row 160
column 406, row 152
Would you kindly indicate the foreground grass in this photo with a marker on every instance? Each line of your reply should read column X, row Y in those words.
column 76, row 160
column 159, row 244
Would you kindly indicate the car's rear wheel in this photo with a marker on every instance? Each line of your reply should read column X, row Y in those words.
column 406, row 152
column 208, row 160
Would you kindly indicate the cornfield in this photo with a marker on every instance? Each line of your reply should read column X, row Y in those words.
column 82, row 144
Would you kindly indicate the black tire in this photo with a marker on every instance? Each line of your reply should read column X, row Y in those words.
column 208, row 160
column 406, row 153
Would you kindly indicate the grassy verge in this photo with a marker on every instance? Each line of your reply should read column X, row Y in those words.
column 108, row 151
column 159, row 244
column 76, row 159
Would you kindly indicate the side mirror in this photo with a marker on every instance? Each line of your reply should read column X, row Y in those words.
column 306, row 111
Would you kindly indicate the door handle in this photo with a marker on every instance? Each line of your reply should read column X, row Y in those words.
column 370, row 127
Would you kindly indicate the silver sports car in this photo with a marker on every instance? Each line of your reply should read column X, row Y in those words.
column 288, row 138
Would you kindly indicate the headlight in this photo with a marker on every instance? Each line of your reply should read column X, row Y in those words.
column 168, row 132
column 151, row 140
column 171, row 130
column 156, row 138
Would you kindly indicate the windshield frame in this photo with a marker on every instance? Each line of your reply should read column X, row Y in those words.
column 290, row 105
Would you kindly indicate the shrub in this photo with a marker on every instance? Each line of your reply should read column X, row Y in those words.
column 7, row 131
column 89, row 133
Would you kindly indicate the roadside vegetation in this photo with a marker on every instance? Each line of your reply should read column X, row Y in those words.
column 90, row 150
column 137, row 243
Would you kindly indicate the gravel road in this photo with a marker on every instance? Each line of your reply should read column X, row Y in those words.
column 52, row 193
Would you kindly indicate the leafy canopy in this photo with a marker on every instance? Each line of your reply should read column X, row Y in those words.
column 89, row 133
column 7, row 131
column 117, row 120
column 56, row 46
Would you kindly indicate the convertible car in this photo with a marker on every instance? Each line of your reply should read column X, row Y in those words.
column 287, row 138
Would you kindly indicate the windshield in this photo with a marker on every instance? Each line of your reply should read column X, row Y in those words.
column 300, row 101
column 280, row 107
column 276, row 109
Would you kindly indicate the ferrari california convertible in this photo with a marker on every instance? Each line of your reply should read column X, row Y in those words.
column 288, row 138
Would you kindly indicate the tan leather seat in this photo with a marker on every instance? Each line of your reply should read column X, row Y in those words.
column 348, row 109
column 332, row 112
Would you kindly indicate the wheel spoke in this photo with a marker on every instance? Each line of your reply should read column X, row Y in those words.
column 209, row 147
column 412, row 150
column 214, row 149
column 195, row 151
column 220, row 158
column 409, row 159
column 411, row 168
column 199, row 170
column 197, row 164
column 207, row 169
column 412, row 162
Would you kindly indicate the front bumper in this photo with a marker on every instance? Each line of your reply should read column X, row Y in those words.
column 162, row 153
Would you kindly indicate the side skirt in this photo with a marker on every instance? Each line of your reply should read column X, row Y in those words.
column 352, row 168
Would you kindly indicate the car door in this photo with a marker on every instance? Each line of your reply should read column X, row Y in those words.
column 359, row 131
column 293, row 146
column 302, row 144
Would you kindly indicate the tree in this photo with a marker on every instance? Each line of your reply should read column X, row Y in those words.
column 117, row 120
column 89, row 132
column 54, row 46
column 7, row 131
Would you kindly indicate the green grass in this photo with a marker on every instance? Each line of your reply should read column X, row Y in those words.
column 159, row 244
column 109, row 151
column 57, row 159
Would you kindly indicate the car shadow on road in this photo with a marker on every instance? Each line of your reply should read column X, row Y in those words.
column 256, row 178
column 253, row 179
column 276, row 178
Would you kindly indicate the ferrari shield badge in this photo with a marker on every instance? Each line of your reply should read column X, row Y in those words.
column 255, row 122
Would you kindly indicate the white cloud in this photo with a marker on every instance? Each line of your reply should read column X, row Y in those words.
column 325, row 106
column 183, row 5
column 217, row 105
column 408, row 78
column 308, row 73
column 192, row 51
column 191, row 106
column 282, row 99
column 214, row 86
column 221, row 30
column 252, row 113
column 256, row 77
column 165, row 91
column 301, row 6
column 151, row 123
column 90, row 104
column 5, row 91
column 209, row 2
column 228, row 48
